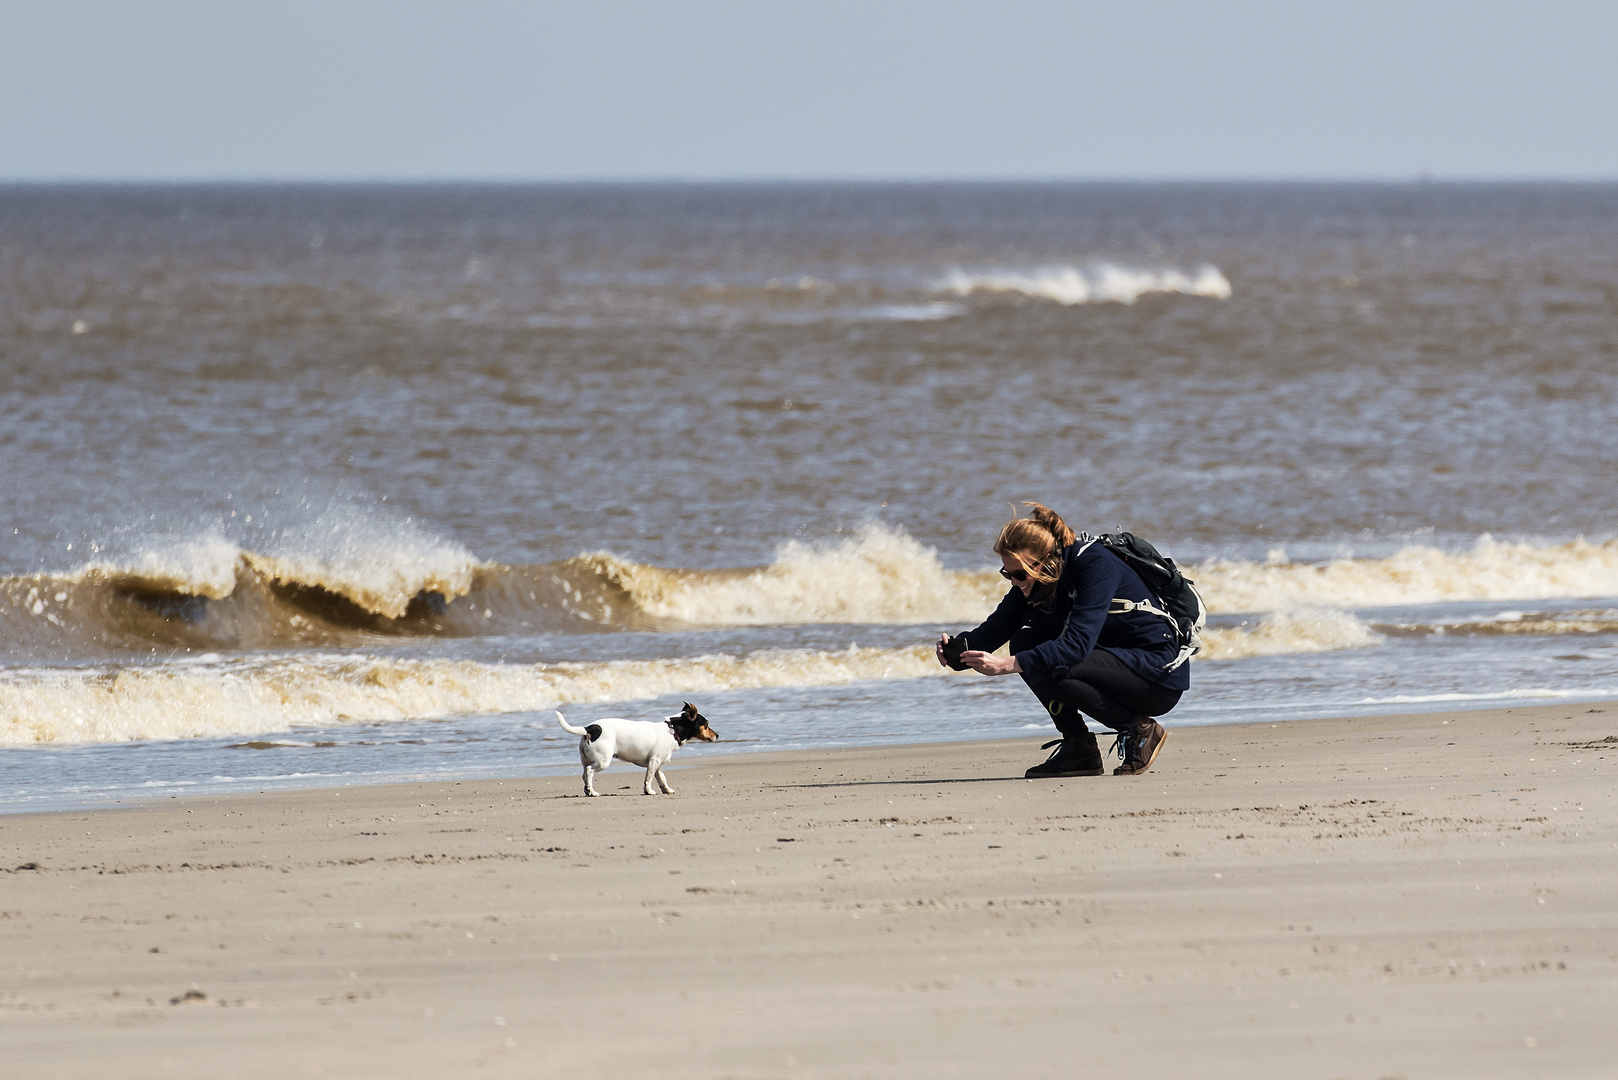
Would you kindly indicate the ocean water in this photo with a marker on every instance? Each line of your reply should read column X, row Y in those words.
column 314, row 485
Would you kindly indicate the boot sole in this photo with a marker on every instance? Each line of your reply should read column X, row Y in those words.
column 1032, row 775
column 1124, row 770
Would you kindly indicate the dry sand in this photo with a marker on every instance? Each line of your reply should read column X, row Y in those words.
column 1419, row 896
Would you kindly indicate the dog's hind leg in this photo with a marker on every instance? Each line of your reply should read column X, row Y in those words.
column 589, row 781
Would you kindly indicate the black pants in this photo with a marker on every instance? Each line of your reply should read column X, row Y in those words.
column 1100, row 686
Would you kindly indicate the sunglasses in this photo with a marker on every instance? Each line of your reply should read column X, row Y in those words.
column 1014, row 575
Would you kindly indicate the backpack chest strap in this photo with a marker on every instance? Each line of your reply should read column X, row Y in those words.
column 1120, row 606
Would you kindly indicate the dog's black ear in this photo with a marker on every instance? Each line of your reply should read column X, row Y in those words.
column 690, row 709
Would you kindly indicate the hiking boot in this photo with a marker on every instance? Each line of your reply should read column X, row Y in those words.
column 1142, row 742
column 1075, row 755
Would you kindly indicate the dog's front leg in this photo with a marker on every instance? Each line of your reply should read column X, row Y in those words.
column 589, row 781
column 654, row 771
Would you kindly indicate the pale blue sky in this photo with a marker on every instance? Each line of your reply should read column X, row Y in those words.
column 745, row 89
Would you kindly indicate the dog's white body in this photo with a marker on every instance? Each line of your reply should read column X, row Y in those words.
column 639, row 742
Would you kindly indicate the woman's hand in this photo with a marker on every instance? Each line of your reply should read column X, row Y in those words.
column 938, row 650
column 988, row 663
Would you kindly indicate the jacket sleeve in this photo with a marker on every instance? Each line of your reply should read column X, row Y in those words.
column 1095, row 582
column 1002, row 622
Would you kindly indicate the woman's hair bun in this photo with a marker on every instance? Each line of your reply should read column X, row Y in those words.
column 1051, row 522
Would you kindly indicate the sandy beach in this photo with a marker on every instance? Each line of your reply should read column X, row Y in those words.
column 1412, row 896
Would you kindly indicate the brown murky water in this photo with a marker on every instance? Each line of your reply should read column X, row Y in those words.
column 290, row 456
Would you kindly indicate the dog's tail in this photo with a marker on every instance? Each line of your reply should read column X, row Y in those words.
column 569, row 728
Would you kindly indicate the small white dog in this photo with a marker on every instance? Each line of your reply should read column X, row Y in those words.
column 639, row 742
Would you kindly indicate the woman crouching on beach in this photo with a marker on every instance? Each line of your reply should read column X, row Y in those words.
column 1077, row 656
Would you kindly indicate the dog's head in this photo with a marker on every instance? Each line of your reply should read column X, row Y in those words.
column 691, row 725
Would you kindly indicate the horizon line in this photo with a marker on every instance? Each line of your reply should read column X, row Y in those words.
column 784, row 180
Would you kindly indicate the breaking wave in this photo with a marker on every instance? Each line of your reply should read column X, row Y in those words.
column 207, row 594
column 204, row 566
column 213, row 596
column 378, row 568
column 1100, row 283
column 880, row 575
column 1491, row 570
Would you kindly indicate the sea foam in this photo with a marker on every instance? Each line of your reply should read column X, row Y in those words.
column 264, row 696
column 1299, row 630
column 217, row 697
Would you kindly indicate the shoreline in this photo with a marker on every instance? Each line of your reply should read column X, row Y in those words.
column 178, row 790
column 1421, row 895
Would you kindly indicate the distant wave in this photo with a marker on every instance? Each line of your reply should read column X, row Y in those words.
column 1511, row 623
column 931, row 311
column 1100, row 283
column 1513, row 694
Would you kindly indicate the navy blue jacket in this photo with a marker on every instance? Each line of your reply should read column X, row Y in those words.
column 1078, row 621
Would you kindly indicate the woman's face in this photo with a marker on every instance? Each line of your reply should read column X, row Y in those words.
column 1013, row 568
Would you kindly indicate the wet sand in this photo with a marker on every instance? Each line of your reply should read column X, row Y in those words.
column 1420, row 896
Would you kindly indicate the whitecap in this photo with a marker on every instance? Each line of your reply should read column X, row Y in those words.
column 1099, row 283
